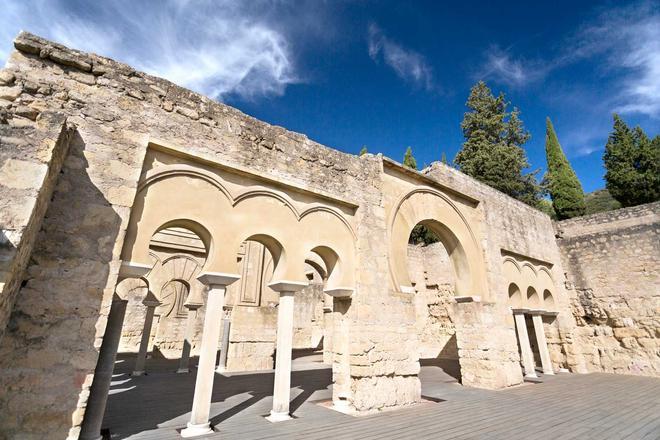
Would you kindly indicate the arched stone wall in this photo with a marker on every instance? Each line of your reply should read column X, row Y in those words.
column 436, row 211
column 533, row 281
column 225, row 213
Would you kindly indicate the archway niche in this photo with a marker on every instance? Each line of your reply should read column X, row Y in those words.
column 515, row 297
column 436, row 265
column 177, row 255
column 439, row 214
column 252, row 306
column 548, row 300
column 533, row 300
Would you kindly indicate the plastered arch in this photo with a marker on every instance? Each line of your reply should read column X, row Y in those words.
column 437, row 211
column 198, row 200
column 515, row 297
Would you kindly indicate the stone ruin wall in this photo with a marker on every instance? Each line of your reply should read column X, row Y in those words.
column 31, row 157
column 613, row 277
column 50, row 346
column 432, row 275
column 485, row 330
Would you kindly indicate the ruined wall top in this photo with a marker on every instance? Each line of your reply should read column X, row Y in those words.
column 610, row 220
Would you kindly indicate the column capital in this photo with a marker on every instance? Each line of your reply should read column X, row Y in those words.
column 192, row 306
column 283, row 286
column 520, row 311
column 150, row 300
column 535, row 312
column 129, row 269
column 340, row 292
column 217, row 278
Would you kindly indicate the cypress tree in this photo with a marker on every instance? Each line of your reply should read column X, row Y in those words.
column 492, row 151
column 409, row 160
column 632, row 164
column 363, row 150
column 444, row 158
column 560, row 180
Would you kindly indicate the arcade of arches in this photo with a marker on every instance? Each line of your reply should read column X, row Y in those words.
column 168, row 225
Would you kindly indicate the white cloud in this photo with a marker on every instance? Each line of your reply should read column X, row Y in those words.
column 630, row 38
column 408, row 64
column 623, row 43
column 218, row 48
column 500, row 66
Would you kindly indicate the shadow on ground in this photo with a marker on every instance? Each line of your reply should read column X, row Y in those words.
column 164, row 398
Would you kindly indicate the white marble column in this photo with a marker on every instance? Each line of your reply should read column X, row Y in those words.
column 199, row 417
column 282, row 388
column 224, row 344
column 284, row 345
column 150, row 302
column 184, row 361
column 523, row 340
column 546, row 363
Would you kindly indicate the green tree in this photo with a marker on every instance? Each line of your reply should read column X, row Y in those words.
column 560, row 180
column 363, row 150
column 599, row 201
column 409, row 160
column 444, row 158
column 632, row 164
column 492, row 151
column 422, row 235
column 545, row 206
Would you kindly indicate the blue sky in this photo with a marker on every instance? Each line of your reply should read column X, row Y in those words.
column 385, row 74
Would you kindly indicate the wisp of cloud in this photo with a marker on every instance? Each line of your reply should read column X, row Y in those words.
column 218, row 48
column 408, row 64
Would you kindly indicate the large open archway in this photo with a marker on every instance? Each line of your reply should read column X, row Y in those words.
column 435, row 211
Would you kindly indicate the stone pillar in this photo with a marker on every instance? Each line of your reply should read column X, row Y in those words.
column 546, row 363
column 184, row 361
column 224, row 345
column 523, row 340
column 150, row 302
column 284, row 345
column 199, row 417
column 487, row 346
column 341, row 372
column 98, row 392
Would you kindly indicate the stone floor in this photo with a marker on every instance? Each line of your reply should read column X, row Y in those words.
column 565, row 406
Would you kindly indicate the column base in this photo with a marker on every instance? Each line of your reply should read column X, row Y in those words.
column 221, row 369
column 137, row 373
column 275, row 417
column 564, row 370
column 194, row 430
column 532, row 375
column 183, row 370
column 549, row 373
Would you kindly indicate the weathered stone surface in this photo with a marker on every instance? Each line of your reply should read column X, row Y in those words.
column 6, row 78
column 614, row 277
column 10, row 93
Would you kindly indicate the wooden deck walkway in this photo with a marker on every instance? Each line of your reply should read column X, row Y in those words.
column 566, row 406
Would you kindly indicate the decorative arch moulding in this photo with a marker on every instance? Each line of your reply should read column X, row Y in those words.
column 518, row 256
column 177, row 151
